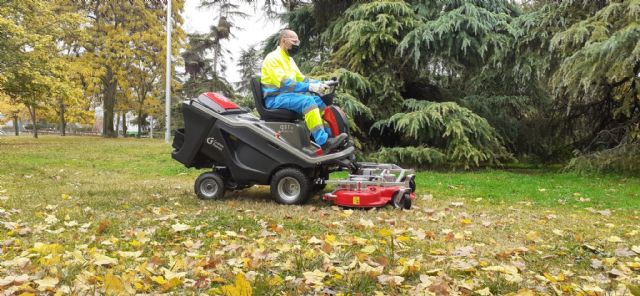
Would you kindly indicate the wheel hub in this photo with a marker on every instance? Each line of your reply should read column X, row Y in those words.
column 209, row 188
column 289, row 188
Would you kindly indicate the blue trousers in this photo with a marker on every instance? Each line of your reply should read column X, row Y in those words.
column 308, row 105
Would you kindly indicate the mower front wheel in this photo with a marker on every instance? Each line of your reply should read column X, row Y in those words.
column 401, row 200
column 290, row 186
column 209, row 185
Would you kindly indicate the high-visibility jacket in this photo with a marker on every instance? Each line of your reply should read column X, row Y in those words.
column 280, row 74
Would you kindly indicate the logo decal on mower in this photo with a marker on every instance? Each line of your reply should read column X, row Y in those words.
column 215, row 144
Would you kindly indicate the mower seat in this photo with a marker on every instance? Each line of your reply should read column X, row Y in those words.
column 269, row 114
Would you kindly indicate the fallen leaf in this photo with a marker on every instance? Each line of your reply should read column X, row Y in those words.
column 314, row 277
column 113, row 285
column 314, row 241
column 368, row 249
column 614, row 239
column 624, row 252
column 366, row 223
column 533, row 236
column 47, row 283
column 484, row 292
column 241, row 287
column 102, row 260
column 135, row 254
column 391, row 280
column 179, row 227
column 463, row 251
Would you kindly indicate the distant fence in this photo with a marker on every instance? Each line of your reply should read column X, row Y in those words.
column 55, row 132
column 5, row 132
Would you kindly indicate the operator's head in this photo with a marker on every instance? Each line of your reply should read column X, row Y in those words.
column 289, row 41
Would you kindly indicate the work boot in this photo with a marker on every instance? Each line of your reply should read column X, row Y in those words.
column 335, row 142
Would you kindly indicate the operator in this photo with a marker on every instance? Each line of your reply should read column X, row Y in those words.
column 284, row 87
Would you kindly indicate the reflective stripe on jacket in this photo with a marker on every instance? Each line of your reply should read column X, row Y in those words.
column 280, row 74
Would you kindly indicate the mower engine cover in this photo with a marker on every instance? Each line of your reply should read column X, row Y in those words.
column 218, row 102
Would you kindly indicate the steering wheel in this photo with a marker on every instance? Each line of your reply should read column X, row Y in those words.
column 328, row 98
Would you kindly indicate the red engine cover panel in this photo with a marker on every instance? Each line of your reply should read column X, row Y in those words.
column 222, row 101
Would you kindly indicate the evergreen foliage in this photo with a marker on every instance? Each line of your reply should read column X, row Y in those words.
column 464, row 138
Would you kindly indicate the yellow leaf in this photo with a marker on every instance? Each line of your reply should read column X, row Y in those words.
column 523, row 292
column 113, row 285
column 554, row 279
column 614, row 239
column 403, row 238
column 275, row 281
column 368, row 249
column 385, row 232
column 634, row 265
column 159, row 280
column 46, row 249
column 172, row 283
column 241, row 287
column 347, row 213
column 609, row 261
column 533, row 236
column 47, row 283
column 330, row 239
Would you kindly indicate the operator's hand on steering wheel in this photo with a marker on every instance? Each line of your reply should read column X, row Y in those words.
column 318, row 87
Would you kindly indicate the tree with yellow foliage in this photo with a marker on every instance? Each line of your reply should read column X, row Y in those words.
column 35, row 73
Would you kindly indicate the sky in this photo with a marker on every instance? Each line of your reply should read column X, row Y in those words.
column 253, row 30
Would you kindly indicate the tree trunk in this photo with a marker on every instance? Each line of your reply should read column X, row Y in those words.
column 15, row 125
column 108, row 102
column 124, row 124
column 63, row 124
column 117, row 123
column 32, row 112
column 139, row 123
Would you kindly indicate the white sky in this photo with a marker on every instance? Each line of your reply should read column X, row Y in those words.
column 253, row 30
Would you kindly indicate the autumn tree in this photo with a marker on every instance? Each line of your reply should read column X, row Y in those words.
column 35, row 73
column 117, row 30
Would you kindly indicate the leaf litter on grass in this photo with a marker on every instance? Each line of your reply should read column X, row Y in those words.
column 152, row 236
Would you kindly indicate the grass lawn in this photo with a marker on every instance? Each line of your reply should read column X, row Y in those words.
column 83, row 215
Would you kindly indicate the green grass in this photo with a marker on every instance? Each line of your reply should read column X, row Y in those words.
column 131, row 193
column 539, row 186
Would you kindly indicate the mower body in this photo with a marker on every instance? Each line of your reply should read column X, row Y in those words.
column 246, row 150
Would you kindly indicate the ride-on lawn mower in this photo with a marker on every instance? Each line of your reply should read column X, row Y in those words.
column 241, row 150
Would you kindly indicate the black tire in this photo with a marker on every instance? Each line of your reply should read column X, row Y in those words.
column 290, row 186
column 401, row 200
column 209, row 185
column 412, row 182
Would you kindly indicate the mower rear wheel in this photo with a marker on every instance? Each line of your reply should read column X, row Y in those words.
column 209, row 185
column 401, row 200
column 290, row 186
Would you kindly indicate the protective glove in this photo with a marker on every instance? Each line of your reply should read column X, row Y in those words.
column 318, row 87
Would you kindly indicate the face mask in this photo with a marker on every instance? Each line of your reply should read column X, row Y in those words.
column 294, row 49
